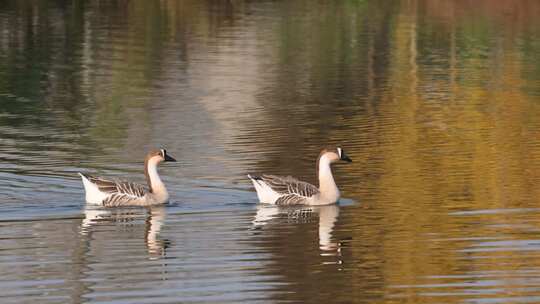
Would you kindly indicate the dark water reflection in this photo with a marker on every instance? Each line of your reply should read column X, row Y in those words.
column 437, row 102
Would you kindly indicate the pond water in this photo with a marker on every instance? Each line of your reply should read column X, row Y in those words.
column 437, row 103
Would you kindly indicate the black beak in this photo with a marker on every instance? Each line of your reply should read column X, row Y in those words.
column 344, row 157
column 168, row 158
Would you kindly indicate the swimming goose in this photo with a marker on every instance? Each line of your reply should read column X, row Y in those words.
column 110, row 193
column 288, row 190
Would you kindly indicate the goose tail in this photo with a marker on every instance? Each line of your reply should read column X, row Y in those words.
column 265, row 193
column 254, row 178
column 93, row 194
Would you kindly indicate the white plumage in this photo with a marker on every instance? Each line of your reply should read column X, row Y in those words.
column 92, row 193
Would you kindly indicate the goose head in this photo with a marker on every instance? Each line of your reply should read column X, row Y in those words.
column 158, row 156
column 334, row 155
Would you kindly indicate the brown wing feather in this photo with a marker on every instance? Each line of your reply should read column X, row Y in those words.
column 121, row 199
column 121, row 192
column 290, row 199
column 103, row 185
column 289, row 185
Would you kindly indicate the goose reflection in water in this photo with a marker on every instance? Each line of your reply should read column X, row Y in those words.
column 327, row 215
column 155, row 217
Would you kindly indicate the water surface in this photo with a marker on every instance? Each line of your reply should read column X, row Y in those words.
column 437, row 103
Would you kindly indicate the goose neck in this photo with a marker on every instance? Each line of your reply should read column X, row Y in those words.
column 155, row 185
column 327, row 185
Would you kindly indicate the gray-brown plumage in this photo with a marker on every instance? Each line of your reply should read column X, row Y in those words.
column 293, row 191
column 111, row 193
column 121, row 192
column 287, row 190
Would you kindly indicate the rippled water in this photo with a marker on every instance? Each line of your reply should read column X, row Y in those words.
column 437, row 103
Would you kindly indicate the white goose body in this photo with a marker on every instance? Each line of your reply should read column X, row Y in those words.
column 111, row 193
column 280, row 190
